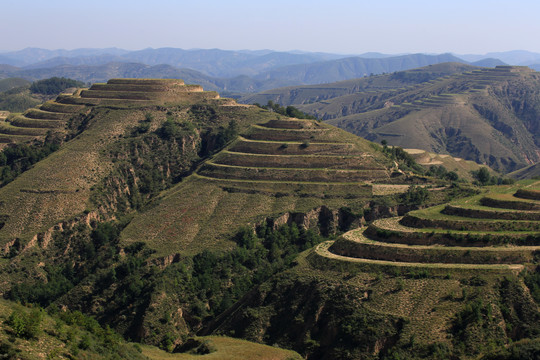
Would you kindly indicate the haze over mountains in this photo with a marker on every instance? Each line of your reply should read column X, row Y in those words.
column 234, row 71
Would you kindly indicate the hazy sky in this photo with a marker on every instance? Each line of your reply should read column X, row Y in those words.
column 340, row 26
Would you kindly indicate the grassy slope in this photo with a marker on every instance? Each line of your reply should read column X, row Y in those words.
column 58, row 187
column 227, row 349
column 198, row 212
column 57, row 340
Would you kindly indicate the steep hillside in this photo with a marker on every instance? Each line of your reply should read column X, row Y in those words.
column 59, row 187
column 440, row 283
column 144, row 216
column 168, row 213
column 488, row 116
column 529, row 172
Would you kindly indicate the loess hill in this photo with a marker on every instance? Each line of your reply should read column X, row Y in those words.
column 451, row 281
column 152, row 174
column 485, row 115
column 168, row 212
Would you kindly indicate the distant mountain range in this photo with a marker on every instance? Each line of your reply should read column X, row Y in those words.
column 226, row 71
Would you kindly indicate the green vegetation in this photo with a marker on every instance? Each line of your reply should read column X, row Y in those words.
column 17, row 100
column 54, row 85
column 31, row 333
column 289, row 111
column 11, row 83
column 16, row 159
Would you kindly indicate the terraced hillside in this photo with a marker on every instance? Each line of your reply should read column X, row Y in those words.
column 60, row 187
column 408, row 285
column 494, row 231
column 276, row 168
column 487, row 116
column 53, row 116
column 302, row 96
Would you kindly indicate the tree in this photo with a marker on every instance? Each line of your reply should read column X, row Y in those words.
column 483, row 176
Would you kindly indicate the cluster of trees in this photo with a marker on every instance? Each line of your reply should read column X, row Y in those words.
column 441, row 173
column 289, row 111
column 16, row 159
column 401, row 156
column 172, row 129
column 483, row 177
column 26, row 325
column 221, row 279
column 415, row 195
column 54, row 85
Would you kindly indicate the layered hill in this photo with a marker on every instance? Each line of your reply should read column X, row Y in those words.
column 488, row 116
column 155, row 174
column 438, row 283
column 275, row 168
column 59, row 187
column 529, row 172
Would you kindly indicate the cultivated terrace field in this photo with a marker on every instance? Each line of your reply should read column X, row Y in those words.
column 194, row 227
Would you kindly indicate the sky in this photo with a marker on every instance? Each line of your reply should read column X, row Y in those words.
column 337, row 26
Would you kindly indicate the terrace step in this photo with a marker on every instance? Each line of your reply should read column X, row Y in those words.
column 146, row 81
column 298, row 161
column 291, row 124
column 420, row 219
column 355, row 244
column 527, row 194
column 486, row 213
column 220, row 171
column 243, row 145
column 23, row 121
column 8, row 129
column 506, row 201
column 44, row 115
column 392, row 231
column 258, row 132
column 322, row 257
column 115, row 95
column 57, row 107
column 302, row 189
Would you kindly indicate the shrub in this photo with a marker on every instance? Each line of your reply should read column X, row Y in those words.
column 26, row 325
